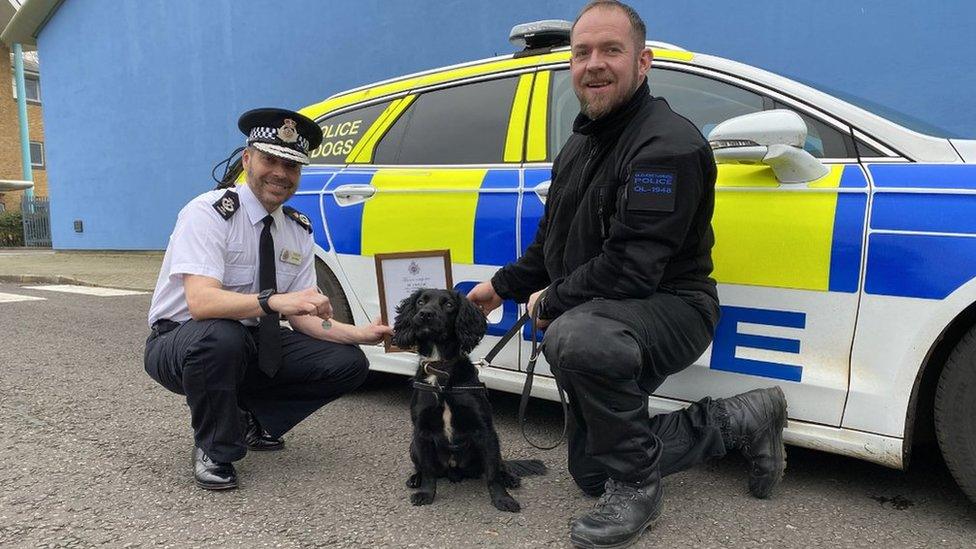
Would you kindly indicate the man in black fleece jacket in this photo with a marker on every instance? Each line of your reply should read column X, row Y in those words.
column 619, row 274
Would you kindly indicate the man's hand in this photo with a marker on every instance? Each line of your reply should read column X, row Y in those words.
column 375, row 332
column 306, row 302
column 533, row 300
column 484, row 297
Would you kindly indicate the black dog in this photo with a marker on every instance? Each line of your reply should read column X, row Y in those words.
column 453, row 432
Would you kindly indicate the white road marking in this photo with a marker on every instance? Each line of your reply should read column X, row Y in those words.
column 13, row 298
column 86, row 290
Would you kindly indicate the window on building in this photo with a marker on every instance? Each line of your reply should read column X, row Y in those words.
column 465, row 124
column 32, row 85
column 37, row 154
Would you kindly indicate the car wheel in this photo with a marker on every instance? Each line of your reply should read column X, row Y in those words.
column 329, row 285
column 955, row 413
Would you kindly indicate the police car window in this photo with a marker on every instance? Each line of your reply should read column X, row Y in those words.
column 464, row 124
column 867, row 151
column 704, row 101
column 824, row 141
column 341, row 132
column 563, row 108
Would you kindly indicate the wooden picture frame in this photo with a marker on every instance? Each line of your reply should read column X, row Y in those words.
column 399, row 274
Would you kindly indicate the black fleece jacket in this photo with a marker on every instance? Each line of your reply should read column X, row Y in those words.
column 628, row 214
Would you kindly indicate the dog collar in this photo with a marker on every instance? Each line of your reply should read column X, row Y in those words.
column 430, row 370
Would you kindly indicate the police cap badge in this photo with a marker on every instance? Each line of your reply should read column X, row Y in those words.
column 280, row 132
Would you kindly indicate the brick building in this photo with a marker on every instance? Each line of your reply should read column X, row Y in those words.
column 10, row 159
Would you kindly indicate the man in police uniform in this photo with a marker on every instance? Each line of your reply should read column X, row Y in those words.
column 236, row 263
column 619, row 271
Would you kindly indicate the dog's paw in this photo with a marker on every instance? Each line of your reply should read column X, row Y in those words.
column 413, row 481
column 509, row 480
column 426, row 498
column 506, row 503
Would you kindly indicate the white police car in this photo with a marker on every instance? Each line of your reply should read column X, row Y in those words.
column 845, row 242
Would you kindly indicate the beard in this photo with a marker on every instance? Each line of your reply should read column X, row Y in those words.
column 594, row 110
column 608, row 103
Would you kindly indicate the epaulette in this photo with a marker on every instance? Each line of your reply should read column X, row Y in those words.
column 298, row 217
column 228, row 204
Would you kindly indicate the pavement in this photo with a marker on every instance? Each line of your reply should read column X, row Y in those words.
column 95, row 453
column 126, row 270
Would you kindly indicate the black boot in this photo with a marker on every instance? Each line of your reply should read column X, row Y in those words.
column 624, row 511
column 755, row 427
column 257, row 438
column 212, row 475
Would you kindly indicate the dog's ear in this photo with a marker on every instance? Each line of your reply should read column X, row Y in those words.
column 404, row 333
column 470, row 324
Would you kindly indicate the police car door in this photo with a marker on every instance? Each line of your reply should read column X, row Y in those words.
column 787, row 257
column 440, row 174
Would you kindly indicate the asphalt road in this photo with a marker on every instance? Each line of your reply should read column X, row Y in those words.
column 93, row 452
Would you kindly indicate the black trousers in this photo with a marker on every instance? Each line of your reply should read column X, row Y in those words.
column 214, row 364
column 609, row 355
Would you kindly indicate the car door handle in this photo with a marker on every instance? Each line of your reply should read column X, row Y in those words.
column 542, row 190
column 347, row 195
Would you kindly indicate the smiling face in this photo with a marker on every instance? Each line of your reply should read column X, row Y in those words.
column 272, row 179
column 607, row 63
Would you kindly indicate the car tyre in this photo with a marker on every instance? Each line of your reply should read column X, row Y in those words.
column 329, row 285
column 955, row 413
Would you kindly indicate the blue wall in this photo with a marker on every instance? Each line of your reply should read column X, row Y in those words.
column 141, row 97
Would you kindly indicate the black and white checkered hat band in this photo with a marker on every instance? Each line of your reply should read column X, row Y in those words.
column 270, row 135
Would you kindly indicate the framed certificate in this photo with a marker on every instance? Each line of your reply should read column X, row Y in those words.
column 399, row 274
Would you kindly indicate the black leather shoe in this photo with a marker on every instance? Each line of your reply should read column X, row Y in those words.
column 624, row 511
column 755, row 427
column 213, row 475
column 257, row 438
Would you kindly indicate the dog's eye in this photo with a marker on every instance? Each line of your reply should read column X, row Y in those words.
column 448, row 305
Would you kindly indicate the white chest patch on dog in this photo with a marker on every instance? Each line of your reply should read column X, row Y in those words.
column 448, row 428
column 432, row 379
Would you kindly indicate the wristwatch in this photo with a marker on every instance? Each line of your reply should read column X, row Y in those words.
column 263, row 300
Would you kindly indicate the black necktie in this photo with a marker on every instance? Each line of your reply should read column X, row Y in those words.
column 269, row 330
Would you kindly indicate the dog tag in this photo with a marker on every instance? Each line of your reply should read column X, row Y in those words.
column 326, row 324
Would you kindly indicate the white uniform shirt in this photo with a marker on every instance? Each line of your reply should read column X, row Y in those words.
column 204, row 243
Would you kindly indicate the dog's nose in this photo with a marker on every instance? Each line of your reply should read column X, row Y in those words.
column 426, row 315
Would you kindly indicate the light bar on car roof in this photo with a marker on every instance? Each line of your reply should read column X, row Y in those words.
column 541, row 34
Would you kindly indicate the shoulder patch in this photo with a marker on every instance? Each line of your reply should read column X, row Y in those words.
column 228, row 204
column 652, row 189
column 298, row 217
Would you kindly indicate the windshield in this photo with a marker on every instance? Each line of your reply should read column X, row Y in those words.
column 894, row 115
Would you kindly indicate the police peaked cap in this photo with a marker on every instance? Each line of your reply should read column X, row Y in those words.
column 280, row 132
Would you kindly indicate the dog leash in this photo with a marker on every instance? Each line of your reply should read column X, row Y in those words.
column 529, row 377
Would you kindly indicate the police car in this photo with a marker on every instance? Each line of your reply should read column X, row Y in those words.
column 845, row 242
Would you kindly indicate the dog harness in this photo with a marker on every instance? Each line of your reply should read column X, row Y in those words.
column 453, row 390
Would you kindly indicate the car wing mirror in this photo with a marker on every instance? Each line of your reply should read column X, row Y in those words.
column 773, row 138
